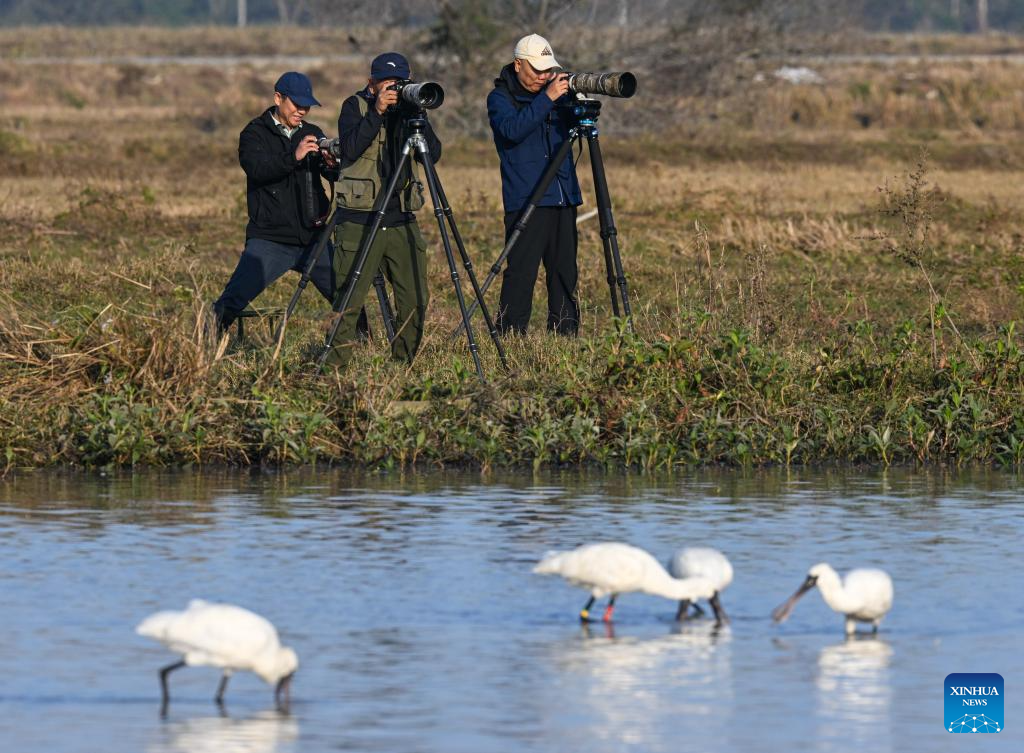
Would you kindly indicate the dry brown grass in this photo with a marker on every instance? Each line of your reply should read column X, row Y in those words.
column 122, row 214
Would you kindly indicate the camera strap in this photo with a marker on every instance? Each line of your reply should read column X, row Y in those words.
column 312, row 173
column 321, row 221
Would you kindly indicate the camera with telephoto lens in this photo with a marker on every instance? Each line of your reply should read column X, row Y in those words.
column 426, row 95
column 610, row 84
column 332, row 146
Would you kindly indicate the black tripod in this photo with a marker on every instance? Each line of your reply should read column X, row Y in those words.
column 442, row 212
column 386, row 312
column 584, row 113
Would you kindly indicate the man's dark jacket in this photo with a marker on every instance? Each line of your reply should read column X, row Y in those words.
column 357, row 132
column 528, row 129
column 275, row 181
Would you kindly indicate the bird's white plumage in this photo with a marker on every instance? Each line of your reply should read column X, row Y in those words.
column 222, row 635
column 702, row 562
column 615, row 568
column 864, row 595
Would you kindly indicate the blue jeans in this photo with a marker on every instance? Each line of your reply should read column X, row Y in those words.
column 261, row 263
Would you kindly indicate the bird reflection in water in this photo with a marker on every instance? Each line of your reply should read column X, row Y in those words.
column 633, row 690
column 855, row 691
column 266, row 732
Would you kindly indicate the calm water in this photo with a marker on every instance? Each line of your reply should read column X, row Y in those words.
column 420, row 628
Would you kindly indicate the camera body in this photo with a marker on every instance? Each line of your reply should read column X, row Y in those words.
column 332, row 146
column 426, row 95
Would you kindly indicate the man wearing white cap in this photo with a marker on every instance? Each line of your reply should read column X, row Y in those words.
column 528, row 129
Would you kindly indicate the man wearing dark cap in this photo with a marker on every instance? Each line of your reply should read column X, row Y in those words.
column 278, row 152
column 372, row 132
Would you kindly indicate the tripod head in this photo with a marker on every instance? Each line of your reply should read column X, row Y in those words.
column 416, row 122
column 582, row 113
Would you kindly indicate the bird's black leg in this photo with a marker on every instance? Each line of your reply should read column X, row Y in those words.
column 684, row 606
column 609, row 609
column 219, row 698
column 698, row 610
column 720, row 616
column 585, row 612
column 165, row 696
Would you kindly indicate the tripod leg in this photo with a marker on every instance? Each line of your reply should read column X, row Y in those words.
column 468, row 265
column 433, row 185
column 341, row 305
column 524, row 217
column 307, row 272
column 609, row 235
column 386, row 313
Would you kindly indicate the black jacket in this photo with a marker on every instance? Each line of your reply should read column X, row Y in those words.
column 357, row 133
column 275, row 182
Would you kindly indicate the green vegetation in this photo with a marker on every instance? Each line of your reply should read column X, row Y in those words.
column 804, row 292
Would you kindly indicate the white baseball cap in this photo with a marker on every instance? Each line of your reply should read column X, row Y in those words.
column 537, row 52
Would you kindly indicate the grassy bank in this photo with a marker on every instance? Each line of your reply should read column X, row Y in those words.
column 803, row 292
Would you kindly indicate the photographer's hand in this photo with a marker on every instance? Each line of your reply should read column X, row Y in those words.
column 559, row 86
column 384, row 100
column 308, row 145
column 328, row 157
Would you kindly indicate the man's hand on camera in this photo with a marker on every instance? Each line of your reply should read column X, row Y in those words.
column 308, row 145
column 328, row 157
column 559, row 85
column 385, row 99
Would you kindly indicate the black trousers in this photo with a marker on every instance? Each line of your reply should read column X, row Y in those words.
column 261, row 263
column 550, row 236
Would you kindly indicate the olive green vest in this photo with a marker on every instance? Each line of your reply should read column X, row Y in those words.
column 361, row 182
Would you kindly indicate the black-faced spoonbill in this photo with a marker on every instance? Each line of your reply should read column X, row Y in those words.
column 225, row 636
column 865, row 595
column 610, row 569
column 702, row 562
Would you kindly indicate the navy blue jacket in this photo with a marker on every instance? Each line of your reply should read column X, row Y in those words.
column 527, row 131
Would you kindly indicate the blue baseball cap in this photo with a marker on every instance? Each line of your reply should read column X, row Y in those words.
column 389, row 65
column 297, row 87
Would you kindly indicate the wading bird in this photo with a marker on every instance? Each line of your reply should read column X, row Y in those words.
column 225, row 636
column 865, row 595
column 702, row 562
column 610, row 569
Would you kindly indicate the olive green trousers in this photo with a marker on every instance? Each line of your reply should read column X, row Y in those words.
column 401, row 254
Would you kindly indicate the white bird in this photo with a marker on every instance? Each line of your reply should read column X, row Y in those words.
column 702, row 562
column 865, row 595
column 610, row 569
column 225, row 636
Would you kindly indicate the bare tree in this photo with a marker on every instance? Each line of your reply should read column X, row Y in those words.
column 368, row 12
column 982, row 16
column 218, row 11
column 241, row 13
column 289, row 11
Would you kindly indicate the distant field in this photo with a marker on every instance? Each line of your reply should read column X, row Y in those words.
column 765, row 235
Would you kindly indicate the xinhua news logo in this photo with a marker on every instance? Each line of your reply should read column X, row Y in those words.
column 974, row 703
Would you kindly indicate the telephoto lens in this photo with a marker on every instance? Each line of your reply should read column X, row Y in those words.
column 610, row 84
column 424, row 96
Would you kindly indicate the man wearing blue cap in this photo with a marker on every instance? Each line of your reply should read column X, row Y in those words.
column 278, row 152
column 372, row 133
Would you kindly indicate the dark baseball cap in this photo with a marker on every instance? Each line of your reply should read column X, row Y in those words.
column 389, row 65
column 297, row 87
